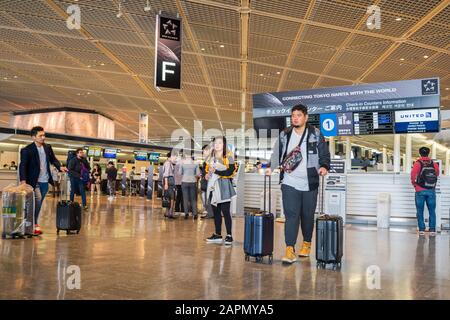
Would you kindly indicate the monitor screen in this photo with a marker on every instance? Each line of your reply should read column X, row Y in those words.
column 94, row 152
column 153, row 156
column 269, row 123
column 417, row 121
column 140, row 155
column 110, row 153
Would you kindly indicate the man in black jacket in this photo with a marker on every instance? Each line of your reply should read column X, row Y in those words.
column 77, row 167
column 300, row 183
column 34, row 169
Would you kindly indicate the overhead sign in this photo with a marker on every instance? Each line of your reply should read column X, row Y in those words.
column 168, row 52
column 143, row 127
column 386, row 96
column 373, row 123
column 417, row 121
column 344, row 124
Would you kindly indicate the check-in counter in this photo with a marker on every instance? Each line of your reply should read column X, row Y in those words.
column 362, row 190
column 7, row 177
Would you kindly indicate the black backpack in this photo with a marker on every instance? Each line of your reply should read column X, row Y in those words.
column 427, row 177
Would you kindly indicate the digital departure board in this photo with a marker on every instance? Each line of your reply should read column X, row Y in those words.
column 381, row 122
column 314, row 120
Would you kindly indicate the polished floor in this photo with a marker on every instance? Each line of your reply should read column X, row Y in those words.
column 127, row 250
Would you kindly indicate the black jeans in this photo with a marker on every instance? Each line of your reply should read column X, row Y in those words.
column 222, row 208
column 299, row 208
column 189, row 197
column 179, row 199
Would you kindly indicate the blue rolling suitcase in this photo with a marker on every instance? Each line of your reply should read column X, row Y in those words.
column 259, row 232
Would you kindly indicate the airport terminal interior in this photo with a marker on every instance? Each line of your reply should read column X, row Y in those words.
column 151, row 87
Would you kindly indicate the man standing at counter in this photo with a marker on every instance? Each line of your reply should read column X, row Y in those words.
column 424, row 178
column 34, row 169
column 302, row 154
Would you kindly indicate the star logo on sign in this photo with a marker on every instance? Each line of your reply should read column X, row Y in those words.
column 170, row 28
column 429, row 86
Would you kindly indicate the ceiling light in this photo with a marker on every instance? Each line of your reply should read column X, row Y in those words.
column 447, row 88
column 425, row 56
column 222, row 46
column 88, row 93
column 203, row 49
column 120, row 14
column 261, row 74
column 278, row 72
column 102, row 64
column 402, row 59
column 89, row 66
column 398, row 19
column 5, row 78
column 147, row 7
column 15, row 77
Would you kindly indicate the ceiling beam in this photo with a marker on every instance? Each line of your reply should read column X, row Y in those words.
column 430, row 15
column 244, row 43
column 293, row 51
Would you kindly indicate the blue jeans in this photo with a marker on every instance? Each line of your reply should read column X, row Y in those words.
column 40, row 192
column 77, row 184
column 428, row 197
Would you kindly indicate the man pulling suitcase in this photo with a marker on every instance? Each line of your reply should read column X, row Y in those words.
column 302, row 154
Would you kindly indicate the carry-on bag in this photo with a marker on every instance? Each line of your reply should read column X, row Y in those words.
column 68, row 213
column 259, row 231
column 329, row 237
column 18, row 205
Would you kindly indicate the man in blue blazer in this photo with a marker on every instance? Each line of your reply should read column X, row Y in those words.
column 34, row 169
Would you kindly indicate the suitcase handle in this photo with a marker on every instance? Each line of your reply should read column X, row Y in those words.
column 322, row 192
column 270, row 192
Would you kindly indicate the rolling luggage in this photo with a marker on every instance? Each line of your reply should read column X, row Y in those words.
column 259, row 231
column 18, row 205
column 329, row 237
column 68, row 213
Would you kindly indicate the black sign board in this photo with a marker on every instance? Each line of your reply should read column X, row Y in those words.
column 337, row 166
column 168, row 52
column 314, row 120
column 381, row 122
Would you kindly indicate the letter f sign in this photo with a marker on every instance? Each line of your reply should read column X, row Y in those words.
column 74, row 20
column 165, row 70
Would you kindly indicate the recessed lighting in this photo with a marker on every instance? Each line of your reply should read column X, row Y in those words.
column 222, row 46
column 89, row 66
column 447, row 88
column 425, row 56
column 278, row 72
column 203, row 49
column 154, row 110
column 102, row 64
column 88, row 93
column 261, row 74
column 78, row 94
column 5, row 78
column 398, row 19
column 15, row 77
column 402, row 59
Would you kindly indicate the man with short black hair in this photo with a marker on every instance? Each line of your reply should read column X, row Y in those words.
column 111, row 175
column 424, row 178
column 303, row 155
column 34, row 169
column 79, row 170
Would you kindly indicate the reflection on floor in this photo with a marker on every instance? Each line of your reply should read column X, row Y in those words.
column 127, row 250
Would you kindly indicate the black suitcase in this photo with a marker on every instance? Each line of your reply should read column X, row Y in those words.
column 68, row 213
column 259, row 231
column 329, row 237
column 68, row 216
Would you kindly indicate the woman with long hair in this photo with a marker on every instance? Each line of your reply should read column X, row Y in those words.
column 96, row 180
column 220, row 169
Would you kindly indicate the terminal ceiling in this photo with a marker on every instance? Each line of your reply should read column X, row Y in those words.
column 231, row 49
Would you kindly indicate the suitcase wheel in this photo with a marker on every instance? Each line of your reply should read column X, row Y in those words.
column 78, row 231
column 3, row 235
column 67, row 231
column 57, row 231
column 247, row 257
column 271, row 259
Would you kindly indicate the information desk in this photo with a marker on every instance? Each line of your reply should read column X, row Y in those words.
column 362, row 190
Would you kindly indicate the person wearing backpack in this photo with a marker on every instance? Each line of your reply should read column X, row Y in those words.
column 79, row 173
column 424, row 177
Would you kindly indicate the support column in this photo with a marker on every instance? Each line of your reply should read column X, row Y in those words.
column 91, row 162
column 332, row 147
column 396, row 153
column 348, row 152
column 408, row 162
column 384, row 159
column 433, row 150
column 447, row 163
column 404, row 162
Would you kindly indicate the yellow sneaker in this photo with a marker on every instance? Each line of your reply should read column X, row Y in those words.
column 289, row 257
column 305, row 250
